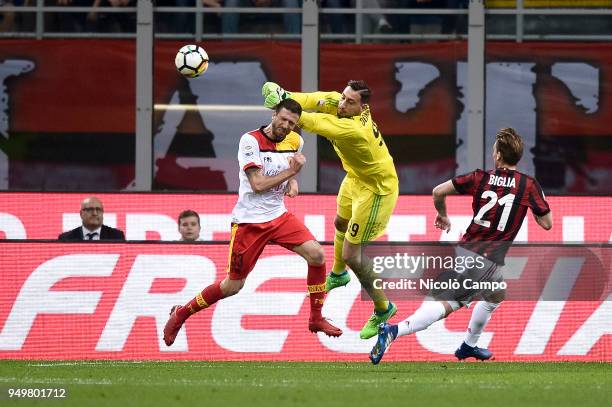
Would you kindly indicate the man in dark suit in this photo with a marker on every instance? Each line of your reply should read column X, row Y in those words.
column 92, row 215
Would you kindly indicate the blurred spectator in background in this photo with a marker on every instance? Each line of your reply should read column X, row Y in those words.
column 69, row 22
column 184, row 22
column 9, row 20
column 428, row 24
column 417, row 24
column 455, row 24
column 189, row 226
column 372, row 23
column 291, row 21
column 113, row 22
column 336, row 22
column 92, row 228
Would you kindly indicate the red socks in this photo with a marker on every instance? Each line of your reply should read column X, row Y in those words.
column 316, row 288
column 212, row 294
column 205, row 299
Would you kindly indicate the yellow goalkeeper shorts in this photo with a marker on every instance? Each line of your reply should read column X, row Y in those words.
column 368, row 212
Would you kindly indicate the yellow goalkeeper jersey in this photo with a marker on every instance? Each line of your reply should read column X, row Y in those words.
column 357, row 140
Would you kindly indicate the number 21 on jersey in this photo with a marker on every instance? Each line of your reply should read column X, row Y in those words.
column 505, row 201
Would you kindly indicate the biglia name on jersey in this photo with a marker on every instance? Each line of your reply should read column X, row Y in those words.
column 508, row 182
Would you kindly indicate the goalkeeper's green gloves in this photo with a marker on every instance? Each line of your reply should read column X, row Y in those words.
column 273, row 94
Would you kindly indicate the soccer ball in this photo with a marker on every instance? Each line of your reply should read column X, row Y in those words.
column 191, row 61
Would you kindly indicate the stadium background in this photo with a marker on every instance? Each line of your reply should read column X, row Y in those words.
column 65, row 129
column 556, row 94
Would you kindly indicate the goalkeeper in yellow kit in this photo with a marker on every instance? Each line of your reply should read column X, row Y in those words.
column 369, row 190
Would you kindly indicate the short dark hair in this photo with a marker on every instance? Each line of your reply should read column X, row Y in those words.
column 509, row 145
column 188, row 213
column 291, row 105
column 362, row 88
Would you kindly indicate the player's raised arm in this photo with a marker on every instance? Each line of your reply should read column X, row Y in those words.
column 462, row 184
column 439, row 194
column 262, row 183
column 329, row 126
column 325, row 102
column 545, row 221
column 539, row 206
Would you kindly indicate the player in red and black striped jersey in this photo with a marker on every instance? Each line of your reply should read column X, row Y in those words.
column 501, row 198
column 500, row 201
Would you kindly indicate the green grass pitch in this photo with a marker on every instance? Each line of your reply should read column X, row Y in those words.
column 253, row 384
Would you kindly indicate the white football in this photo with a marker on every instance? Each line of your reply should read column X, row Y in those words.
column 191, row 61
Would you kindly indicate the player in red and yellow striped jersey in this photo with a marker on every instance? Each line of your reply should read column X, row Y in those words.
column 270, row 157
column 370, row 188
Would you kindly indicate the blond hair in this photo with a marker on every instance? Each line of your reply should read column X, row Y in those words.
column 509, row 145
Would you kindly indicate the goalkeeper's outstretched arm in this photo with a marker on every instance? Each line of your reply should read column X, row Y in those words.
column 325, row 102
column 329, row 126
column 273, row 94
